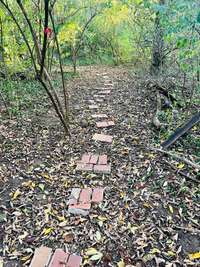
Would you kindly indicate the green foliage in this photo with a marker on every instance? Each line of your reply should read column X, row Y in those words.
column 21, row 95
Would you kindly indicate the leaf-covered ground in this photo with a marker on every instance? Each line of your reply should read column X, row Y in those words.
column 150, row 214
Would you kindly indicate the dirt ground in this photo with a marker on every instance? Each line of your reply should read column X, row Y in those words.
column 150, row 215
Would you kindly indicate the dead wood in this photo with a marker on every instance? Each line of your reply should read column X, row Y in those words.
column 188, row 177
column 156, row 122
column 173, row 155
column 181, row 131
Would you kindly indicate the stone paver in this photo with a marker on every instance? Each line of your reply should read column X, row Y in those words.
column 87, row 196
column 103, row 138
column 105, row 124
column 43, row 257
column 99, row 116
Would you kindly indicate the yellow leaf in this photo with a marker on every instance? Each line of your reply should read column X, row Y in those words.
column 47, row 231
column 122, row 194
column 171, row 209
column 102, row 219
column 25, row 258
column 146, row 205
column 180, row 166
column 46, row 176
column 16, row 194
column 194, row 256
column 91, row 251
column 155, row 250
column 121, row 263
column 171, row 253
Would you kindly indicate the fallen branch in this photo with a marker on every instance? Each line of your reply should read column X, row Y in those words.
column 181, row 131
column 187, row 161
column 188, row 177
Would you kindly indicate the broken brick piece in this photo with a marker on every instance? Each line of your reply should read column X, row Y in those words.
column 102, row 169
column 85, row 195
column 84, row 167
column 103, row 159
column 74, row 261
column 80, row 209
column 75, row 193
column 94, row 159
column 103, row 138
column 97, row 195
column 41, row 257
column 59, row 258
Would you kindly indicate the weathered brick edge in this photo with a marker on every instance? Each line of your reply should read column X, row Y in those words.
column 44, row 257
column 95, row 163
column 80, row 200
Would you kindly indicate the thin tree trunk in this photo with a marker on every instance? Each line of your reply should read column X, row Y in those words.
column 158, row 45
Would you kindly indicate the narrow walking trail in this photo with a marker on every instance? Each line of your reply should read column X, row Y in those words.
column 101, row 198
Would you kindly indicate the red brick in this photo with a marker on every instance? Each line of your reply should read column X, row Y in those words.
column 84, row 167
column 99, row 100
column 110, row 123
column 103, row 138
column 74, row 261
column 85, row 195
column 107, row 92
column 86, row 158
column 94, row 159
column 99, row 116
column 59, row 258
column 82, row 206
column 102, row 169
column 97, row 195
column 101, row 124
column 41, row 257
column 103, row 160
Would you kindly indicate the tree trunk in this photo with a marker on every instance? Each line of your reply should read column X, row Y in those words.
column 158, row 45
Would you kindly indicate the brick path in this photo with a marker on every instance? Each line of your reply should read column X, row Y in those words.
column 81, row 200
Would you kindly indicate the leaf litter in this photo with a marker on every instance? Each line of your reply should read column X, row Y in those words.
column 150, row 214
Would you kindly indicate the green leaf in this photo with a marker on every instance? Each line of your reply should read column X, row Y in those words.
column 198, row 17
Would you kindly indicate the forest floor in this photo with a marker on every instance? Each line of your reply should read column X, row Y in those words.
column 150, row 213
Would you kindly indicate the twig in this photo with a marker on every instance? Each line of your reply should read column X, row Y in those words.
column 182, row 173
column 194, row 231
column 194, row 165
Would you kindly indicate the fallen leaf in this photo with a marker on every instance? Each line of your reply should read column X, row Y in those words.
column 121, row 263
column 194, row 256
column 16, row 194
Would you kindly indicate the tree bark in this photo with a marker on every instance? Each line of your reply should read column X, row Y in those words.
column 158, row 45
